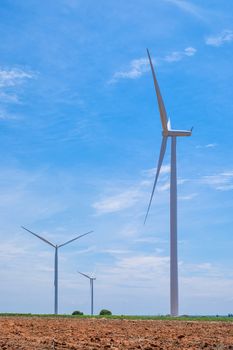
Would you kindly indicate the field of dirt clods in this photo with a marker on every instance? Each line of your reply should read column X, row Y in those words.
column 18, row 333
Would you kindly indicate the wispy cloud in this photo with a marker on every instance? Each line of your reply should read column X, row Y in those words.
column 138, row 67
column 142, row 267
column 179, row 55
column 127, row 198
column 165, row 169
column 225, row 36
column 11, row 250
column 10, row 79
column 145, row 269
column 222, row 181
column 188, row 197
column 115, row 252
column 8, row 98
column 19, row 186
column 4, row 115
column 117, row 202
column 208, row 145
column 187, row 7
column 13, row 77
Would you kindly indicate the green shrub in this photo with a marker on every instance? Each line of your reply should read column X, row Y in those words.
column 77, row 313
column 105, row 312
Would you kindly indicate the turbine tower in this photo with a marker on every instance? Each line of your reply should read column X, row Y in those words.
column 167, row 131
column 56, row 247
column 91, row 286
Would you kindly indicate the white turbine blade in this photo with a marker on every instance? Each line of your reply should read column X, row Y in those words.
column 74, row 239
column 35, row 234
column 160, row 161
column 169, row 124
column 84, row 275
column 162, row 110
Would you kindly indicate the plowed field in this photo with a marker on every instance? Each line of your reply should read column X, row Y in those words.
column 68, row 333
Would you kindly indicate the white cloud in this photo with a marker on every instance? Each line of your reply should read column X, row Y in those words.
column 222, row 181
column 13, row 77
column 187, row 7
column 190, row 51
column 10, row 79
column 181, row 181
column 37, row 190
column 117, row 202
column 4, row 115
column 165, row 169
column 151, row 240
column 164, row 187
column 208, row 145
column 188, row 197
column 138, row 267
column 127, row 198
column 209, row 287
column 149, row 271
column 145, row 262
column 8, row 98
column 211, row 145
column 218, row 40
column 11, row 250
column 130, row 230
column 176, row 56
column 207, row 266
column 138, row 67
column 164, row 183
column 115, row 252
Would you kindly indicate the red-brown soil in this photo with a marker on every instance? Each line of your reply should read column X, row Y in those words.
column 18, row 333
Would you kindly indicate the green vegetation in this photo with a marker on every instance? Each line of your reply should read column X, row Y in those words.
column 216, row 318
column 79, row 313
column 105, row 312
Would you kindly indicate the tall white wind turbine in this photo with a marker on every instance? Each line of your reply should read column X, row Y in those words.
column 167, row 131
column 56, row 247
column 91, row 287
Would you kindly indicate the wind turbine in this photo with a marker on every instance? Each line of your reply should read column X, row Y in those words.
column 167, row 131
column 91, row 286
column 56, row 247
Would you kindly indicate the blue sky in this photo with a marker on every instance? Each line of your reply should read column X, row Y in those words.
column 79, row 141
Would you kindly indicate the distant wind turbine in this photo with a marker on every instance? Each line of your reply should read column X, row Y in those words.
column 56, row 247
column 167, row 131
column 91, row 286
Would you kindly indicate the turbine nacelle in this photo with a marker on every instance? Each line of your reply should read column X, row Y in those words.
column 167, row 133
column 87, row 276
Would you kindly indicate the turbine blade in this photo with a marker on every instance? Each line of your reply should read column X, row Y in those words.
column 84, row 275
column 160, row 161
column 35, row 234
column 169, row 124
column 162, row 110
column 74, row 239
